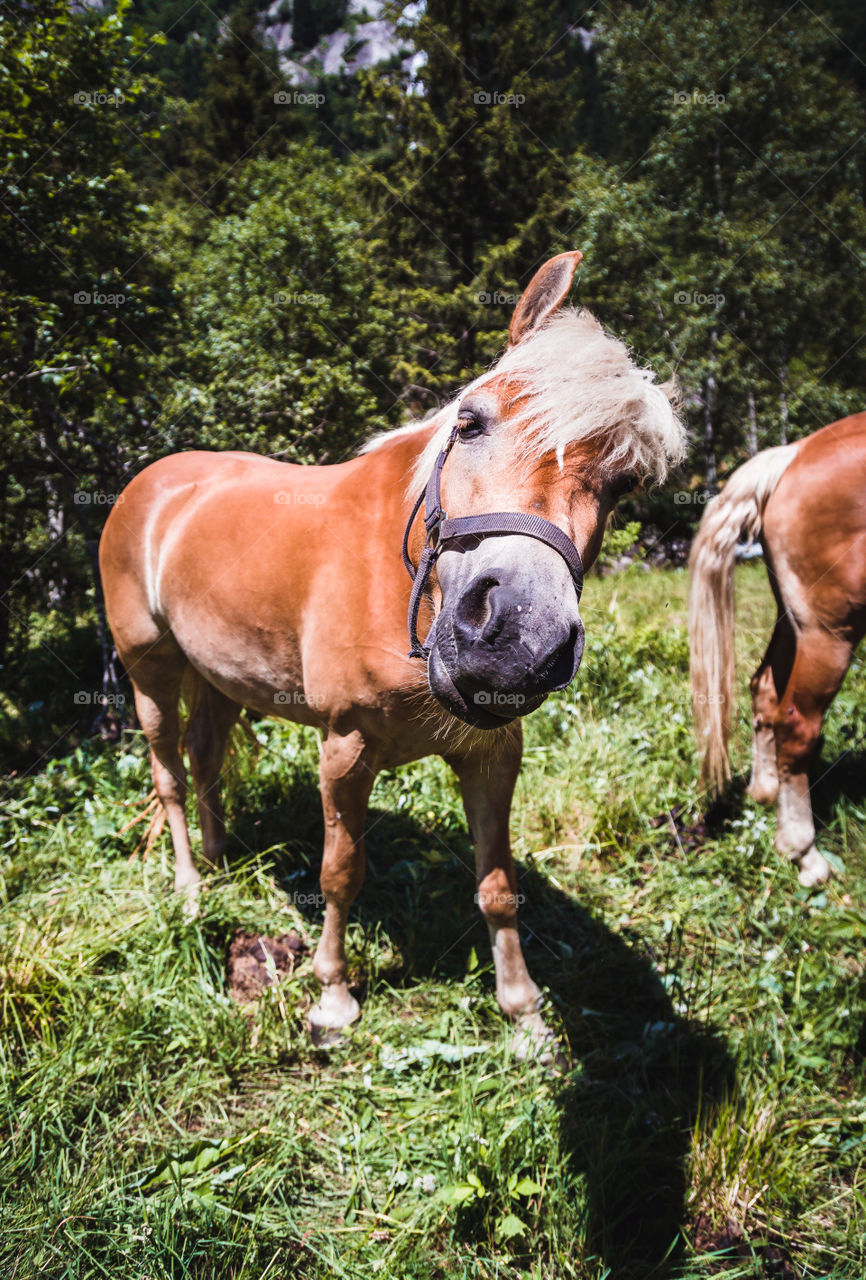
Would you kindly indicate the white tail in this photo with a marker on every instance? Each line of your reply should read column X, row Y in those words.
column 738, row 509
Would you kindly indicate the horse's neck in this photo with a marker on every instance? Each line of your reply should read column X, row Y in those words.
column 385, row 473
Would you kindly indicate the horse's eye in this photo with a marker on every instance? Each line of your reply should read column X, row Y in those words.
column 468, row 425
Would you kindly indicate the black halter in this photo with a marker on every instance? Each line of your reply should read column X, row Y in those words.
column 441, row 530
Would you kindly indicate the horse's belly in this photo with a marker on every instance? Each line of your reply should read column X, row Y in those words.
column 249, row 662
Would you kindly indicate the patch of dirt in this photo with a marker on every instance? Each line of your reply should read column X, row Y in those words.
column 253, row 960
column 683, row 835
column 730, row 1241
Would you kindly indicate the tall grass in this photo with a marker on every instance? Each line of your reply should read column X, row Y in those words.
column 712, row 1119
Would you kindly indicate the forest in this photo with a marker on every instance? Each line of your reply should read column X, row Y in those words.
column 218, row 236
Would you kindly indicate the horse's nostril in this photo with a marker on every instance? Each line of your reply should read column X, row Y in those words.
column 473, row 610
column 559, row 667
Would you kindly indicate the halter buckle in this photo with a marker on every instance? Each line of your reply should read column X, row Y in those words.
column 434, row 520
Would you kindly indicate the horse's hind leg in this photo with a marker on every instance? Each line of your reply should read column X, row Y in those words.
column 771, row 675
column 487, row 786
column 156, row 678
column 819, row 668
column 346, row 778
column 211, row 720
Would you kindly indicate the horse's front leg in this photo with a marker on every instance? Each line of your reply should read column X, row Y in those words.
column 346, row 779
column 487, row 786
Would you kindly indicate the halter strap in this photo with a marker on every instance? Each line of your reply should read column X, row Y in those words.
column 440, row 531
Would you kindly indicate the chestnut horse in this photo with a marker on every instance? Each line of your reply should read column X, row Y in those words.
column 280, row 588
column 807, row 503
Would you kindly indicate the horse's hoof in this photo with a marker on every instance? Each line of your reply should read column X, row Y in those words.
column 534, row 1042
column 813, row 868
column 190, row 893
column 763, row 793
column 326, row 1037
column 337, row 1008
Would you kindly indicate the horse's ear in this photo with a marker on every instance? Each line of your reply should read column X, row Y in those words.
column 544, row 294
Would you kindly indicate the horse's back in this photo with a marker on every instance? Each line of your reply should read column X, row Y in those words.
column 836, row 448
column 815, row 527
column 169, row 482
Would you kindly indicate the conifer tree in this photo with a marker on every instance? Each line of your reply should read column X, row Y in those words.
column 470, row 159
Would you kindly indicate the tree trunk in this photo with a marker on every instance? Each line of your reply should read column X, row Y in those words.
column 5, row 562
column 752, row 432
column 709, row 407
column 57, row 584
column 91, row 543
column 783, row 404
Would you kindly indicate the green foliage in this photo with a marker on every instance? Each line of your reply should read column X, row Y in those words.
column 179, row 38
column 312, row 19
column 468, row 174
column 617, row 541
column 288, row 328
column 738, row 165
column 82, row 304
column 241, row 114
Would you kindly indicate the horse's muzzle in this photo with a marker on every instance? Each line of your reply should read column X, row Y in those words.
column 495, row 656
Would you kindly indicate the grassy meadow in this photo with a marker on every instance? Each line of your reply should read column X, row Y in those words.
column 712, row 1121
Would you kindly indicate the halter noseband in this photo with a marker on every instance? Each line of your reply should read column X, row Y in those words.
column 441, row 530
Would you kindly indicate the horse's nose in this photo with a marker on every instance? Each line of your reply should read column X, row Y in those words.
column 504, row 637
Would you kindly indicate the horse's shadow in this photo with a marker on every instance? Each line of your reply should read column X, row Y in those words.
column 832, row 777
column 645, row 1065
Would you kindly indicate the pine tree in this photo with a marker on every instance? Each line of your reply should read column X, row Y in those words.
column 468, row 178
column 244, row 111
column 737, row 178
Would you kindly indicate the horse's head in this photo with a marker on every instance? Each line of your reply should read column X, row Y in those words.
column 560, row 428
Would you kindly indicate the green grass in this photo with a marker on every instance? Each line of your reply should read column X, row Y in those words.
column 712, row 1010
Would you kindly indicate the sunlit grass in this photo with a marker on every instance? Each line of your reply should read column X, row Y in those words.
column 712, row 1011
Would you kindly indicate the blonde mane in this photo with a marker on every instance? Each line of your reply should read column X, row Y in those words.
column 578, row 383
